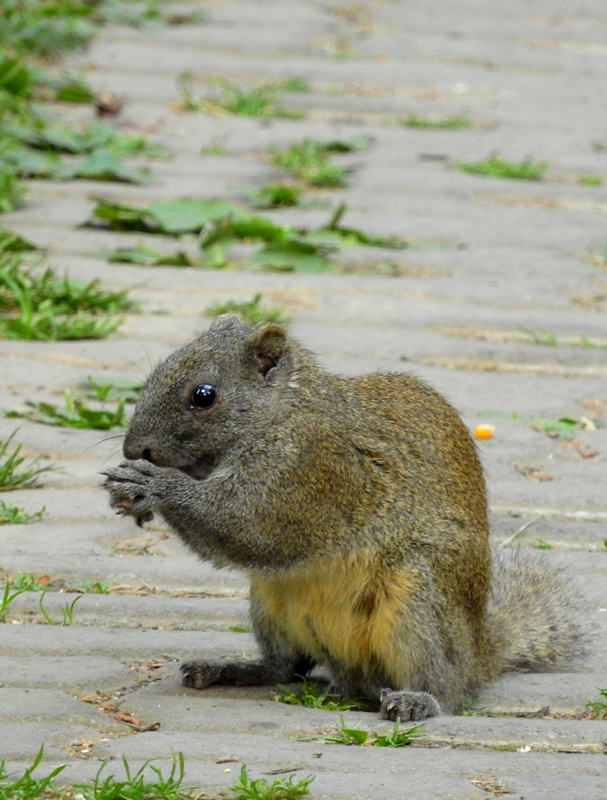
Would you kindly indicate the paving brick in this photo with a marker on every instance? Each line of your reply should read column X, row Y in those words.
column 33, row 705
column 487, row 258
column 64, row 671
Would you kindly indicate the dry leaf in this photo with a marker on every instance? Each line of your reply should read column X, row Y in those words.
column 533, row 474
column 582, row 449
column 128, row 719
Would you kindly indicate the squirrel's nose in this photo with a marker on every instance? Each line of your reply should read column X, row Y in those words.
column 134, row 450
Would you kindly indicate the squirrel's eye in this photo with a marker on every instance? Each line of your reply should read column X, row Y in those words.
column 203, row 396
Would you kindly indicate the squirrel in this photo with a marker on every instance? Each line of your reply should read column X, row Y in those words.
column 358, row 507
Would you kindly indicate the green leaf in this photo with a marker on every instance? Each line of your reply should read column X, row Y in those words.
column 276, row 195
column 74, row 91
column 120, row 217
column 114, row 389
column 347, row 237
column 355, row 735
column 250, row 310
column 348, row 145
column 11, row 243
column 293, row 256
column 396, row 737
column 190, row 216
column 562, row 427
column 146, row 256
column 75, row 414
column 102, row 166
column 15, row 77
column 32, row 164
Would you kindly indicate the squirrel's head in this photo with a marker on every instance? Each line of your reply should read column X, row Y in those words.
column 214, row 393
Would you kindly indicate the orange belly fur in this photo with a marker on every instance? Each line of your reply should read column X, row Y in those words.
column 345, row 608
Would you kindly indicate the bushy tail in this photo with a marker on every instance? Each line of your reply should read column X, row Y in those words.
column 531, row 624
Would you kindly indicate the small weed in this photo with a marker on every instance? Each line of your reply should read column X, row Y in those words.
column 250, row 311
column 247, row 788
column 541, row 544
column 11, row 191
column 496, row 167
column 186, row 92
column 11, row 243
column 46, row 29
column 308, row 160
column 586, row 342
column 6, row 598
column 312, row 696
column 13, row 515
column 173, row 217
column 88, row 140
column 113, row 390
column 470, row 708
column 36, row 305
column 276, row 195
column 451, row 123
column 238, row 629
column 258, row 102
column 356, row 736
column 67, row 611
column 98, row 166
column 12, row 474
column 26, row 787
column 590, row 180
column 542, row 337
column 76, row 414
column 136, row 787
column 25, row 582
column 220, row 224
column 599, row 706
column 216, row 147
column 73, row 90
column 89, row 586
column 147, row 256
column 396, row 737
column 562, row 428
column 46, row 325
column 551, row 340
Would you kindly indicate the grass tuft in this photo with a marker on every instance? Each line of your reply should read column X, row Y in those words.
column 276, row 195
column 13, row 475
column 75, row 414
column 357, row 736
column 589, row 180
column 26, row 787
column 250, row 310
column 449, row 123
column 230, row 98
column 308, row 160
column 599, row 707
column 13, row 515
column 496, row 167
column 39, row 305
column 247, row 788
column 311, row 695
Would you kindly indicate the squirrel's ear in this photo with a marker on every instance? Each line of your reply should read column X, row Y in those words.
column 226, row 321
column 268, row 343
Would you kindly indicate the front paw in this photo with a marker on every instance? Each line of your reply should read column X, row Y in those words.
column 407, row 705
column 136, row 488
column 199, row 674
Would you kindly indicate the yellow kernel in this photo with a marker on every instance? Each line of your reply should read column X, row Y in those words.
column 484, row 431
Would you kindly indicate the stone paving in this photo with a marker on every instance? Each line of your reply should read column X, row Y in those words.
column 491, row 259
